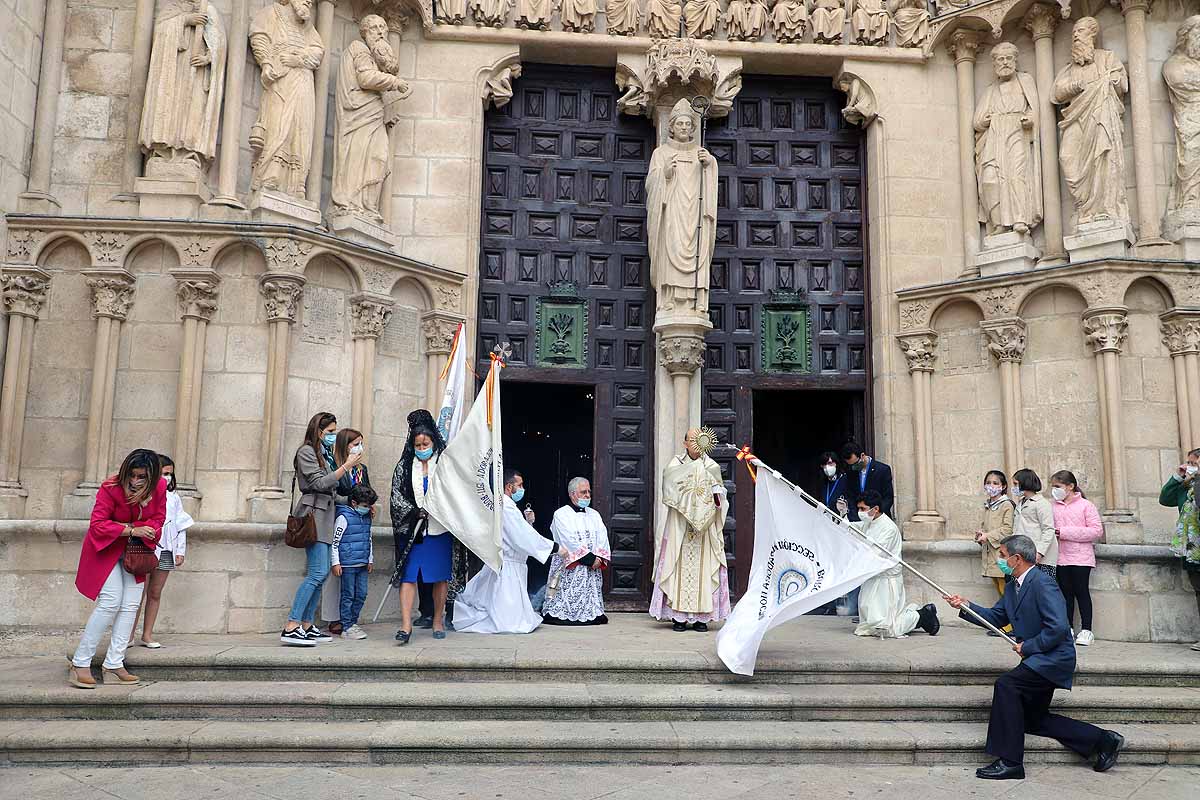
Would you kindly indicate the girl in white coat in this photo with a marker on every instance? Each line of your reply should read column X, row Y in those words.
column 170, row 551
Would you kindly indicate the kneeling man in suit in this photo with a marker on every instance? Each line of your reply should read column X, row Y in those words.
column 1035, row 608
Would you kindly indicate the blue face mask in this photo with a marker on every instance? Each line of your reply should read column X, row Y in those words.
column 425, row 454
column 518, row 495
column 583, row 502
column 329, row 439
column 362, row 511
column 1002, row 563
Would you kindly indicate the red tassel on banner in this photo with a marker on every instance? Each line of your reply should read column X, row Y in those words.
column 745, row 456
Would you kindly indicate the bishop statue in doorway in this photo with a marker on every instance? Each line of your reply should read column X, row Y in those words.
column 681, row 215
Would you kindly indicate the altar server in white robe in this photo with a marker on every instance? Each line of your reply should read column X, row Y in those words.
column 881, row 607
column 499, row 602
column 575, row 593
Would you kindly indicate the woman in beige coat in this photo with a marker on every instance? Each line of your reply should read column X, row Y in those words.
column 997, row 524
column 1035, row 519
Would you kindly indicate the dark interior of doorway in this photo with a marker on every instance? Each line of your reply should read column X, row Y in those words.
column 793, row 427
column 549, row 437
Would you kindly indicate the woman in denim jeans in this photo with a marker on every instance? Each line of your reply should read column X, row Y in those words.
column 317, row 476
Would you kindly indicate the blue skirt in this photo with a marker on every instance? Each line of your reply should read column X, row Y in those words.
column 429, row 561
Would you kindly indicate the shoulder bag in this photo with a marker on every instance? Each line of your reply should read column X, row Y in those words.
column 301, row 529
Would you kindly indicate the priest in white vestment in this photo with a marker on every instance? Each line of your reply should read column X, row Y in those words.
column 691, row 581
column 881, row 608
column 575, row 592
column 499, row 602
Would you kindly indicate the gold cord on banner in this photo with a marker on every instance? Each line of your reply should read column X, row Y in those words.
column 453, row 349
column 746, row 457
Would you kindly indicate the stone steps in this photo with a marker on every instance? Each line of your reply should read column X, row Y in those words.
column 457, row 701
column 147, row 743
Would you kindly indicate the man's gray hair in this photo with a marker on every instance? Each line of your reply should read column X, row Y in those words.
column 1021, row 545
column 574, row 484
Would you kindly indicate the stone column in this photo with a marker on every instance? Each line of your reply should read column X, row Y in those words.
column 1106, row 328
column 25, row 290
column 112, row 295
column 1040, row 21
column 325, row 30
column 964, row 45
column 1149, row 227
column 197, row 292
column 681, row 353
column 37, row 198
column 231, row 115
column 1006, row 342
column 281, row 294
column 437, row 329
column 1181, row 335
column 139, row 70
column 368, row 317
column 920, row 350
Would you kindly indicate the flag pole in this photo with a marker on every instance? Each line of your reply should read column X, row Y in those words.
column 851, row 526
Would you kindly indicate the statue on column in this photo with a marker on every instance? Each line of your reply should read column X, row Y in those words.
column 702, row 18
column 1092, row 149
column 182, row 109
column 289, row 51
column 789, row 18
column 578, row 16
column 870, row 22
column 746, row 20
column 362, row 154
column 1008, row 148
column 1182, row 74
column 911, row 18
column 681, row 215
column 622, row 17
column 828, row 20
column 662, row 18
column 534, row 14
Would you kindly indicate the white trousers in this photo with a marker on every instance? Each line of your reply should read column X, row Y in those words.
column 117, row 605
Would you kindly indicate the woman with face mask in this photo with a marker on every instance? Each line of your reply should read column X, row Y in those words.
column 1078, row 527
column 997, row 525
column 425, row 550
column 1035, row 518
column 171, row 549
column 348, row 442
column 833, row 486
column 129, row 505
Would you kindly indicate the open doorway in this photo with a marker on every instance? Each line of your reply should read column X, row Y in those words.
column 793, row 427
column 549, row 432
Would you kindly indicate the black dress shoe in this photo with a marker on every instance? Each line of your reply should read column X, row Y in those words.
column 1001, row 770
column 700, row 627
column 1108, row 750
column 403, row 636
column 929, row 620
column 679, row 626
column 423, row 622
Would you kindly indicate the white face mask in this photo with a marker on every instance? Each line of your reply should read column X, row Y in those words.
column 356, row 449
column 830, row 470
column 1058, row 493
column 1191, row 469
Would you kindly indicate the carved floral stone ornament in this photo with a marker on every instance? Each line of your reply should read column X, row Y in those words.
column 368, row 317
column 1106, row 329
column 914, row 315
column 280, row 296
column 1006, row 339
column 111, row 296
column 106, row 247
column 681, row 354
column 920, row 350
column 287, row 254
column 998, row 302
column 439, row 331
column 22, row 244
column 194, row 250
column 197, row 298
column 25, row 292
column 1181, row 333
column 449, row 296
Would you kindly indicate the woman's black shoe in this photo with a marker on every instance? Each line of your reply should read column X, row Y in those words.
column 403, row 636
column 423, row 622
column 679, row 626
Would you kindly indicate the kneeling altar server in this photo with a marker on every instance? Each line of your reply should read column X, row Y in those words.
column 881, row 607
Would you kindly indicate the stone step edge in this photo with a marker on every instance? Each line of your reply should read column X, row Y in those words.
column 154, row 742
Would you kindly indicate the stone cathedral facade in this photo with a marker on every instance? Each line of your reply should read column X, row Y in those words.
column 965, row 233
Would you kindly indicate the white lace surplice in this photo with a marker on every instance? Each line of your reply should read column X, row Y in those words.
column 580, row 595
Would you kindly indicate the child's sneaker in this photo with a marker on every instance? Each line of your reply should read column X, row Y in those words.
column 354, row 632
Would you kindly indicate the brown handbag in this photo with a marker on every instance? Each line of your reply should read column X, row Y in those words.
column 139, row 559
column 301, row 529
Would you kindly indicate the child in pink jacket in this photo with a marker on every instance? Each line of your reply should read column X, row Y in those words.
column 1077, row 525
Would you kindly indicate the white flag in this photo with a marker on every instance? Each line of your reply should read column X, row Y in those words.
column 450, row 416
column 802, row 560
column 469, row 480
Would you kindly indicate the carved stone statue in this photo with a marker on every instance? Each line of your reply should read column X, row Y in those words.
column 578, row 16
column 861, row 108
column 662, row 18
column 183, row 91
column 498, row 89
column 828, row 19
column 452, row 12
column 702, row 17
column 361, row 155
column 746, row 20
column 911, row 18
column 288, row 50
column 623, row 17
column 870, row 22
column 681, row 215
column 534, row 14
column 1008, row 148
column 1182, row 74
column 1092, row 149
column 491, row 13
column 789, row 18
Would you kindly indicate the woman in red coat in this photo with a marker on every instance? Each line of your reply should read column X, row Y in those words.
column 132, row 503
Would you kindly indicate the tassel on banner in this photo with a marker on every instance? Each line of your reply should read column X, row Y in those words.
column 493, row 376
column 746, row 457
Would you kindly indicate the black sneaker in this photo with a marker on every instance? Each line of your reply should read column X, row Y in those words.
column 315, row 634
column 296, row 637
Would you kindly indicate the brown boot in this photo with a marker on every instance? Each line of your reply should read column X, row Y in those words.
column 121, row 676
column 80, row 678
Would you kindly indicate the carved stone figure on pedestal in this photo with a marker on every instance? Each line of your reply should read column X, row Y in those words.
column 361, row 155
column 622, row 17
column 911, row 18
column 492, row 13
column 498, row 88
column 662, row 18
column 1182, row 74
column 452, row 12
column 681, row 215
column 789, row 18
column 578, row 16
column 1091, row 150
column 182, row 108
column 702, row 17
column 828, row 20
column 1008, row 148
column 534, row 14
column 870, row 22
column 288, row 50
column 746, row 20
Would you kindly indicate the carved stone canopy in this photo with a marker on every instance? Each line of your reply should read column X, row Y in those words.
column 920, row 349
column 671, row 69
column 1106, row 328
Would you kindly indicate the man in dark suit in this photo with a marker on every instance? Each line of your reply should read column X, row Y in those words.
column 866, row 473
column 1021, row 698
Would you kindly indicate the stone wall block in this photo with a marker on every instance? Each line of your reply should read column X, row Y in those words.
column 195, row 602
column 245, row 348
column 238, row 445
column 49, row 443
column 88, row 28
column 442, row 137
column 83, row 115
column 1120, row 615
column 96, row 72
column 233, row 396
column 145, row 395
column 1173, row 617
